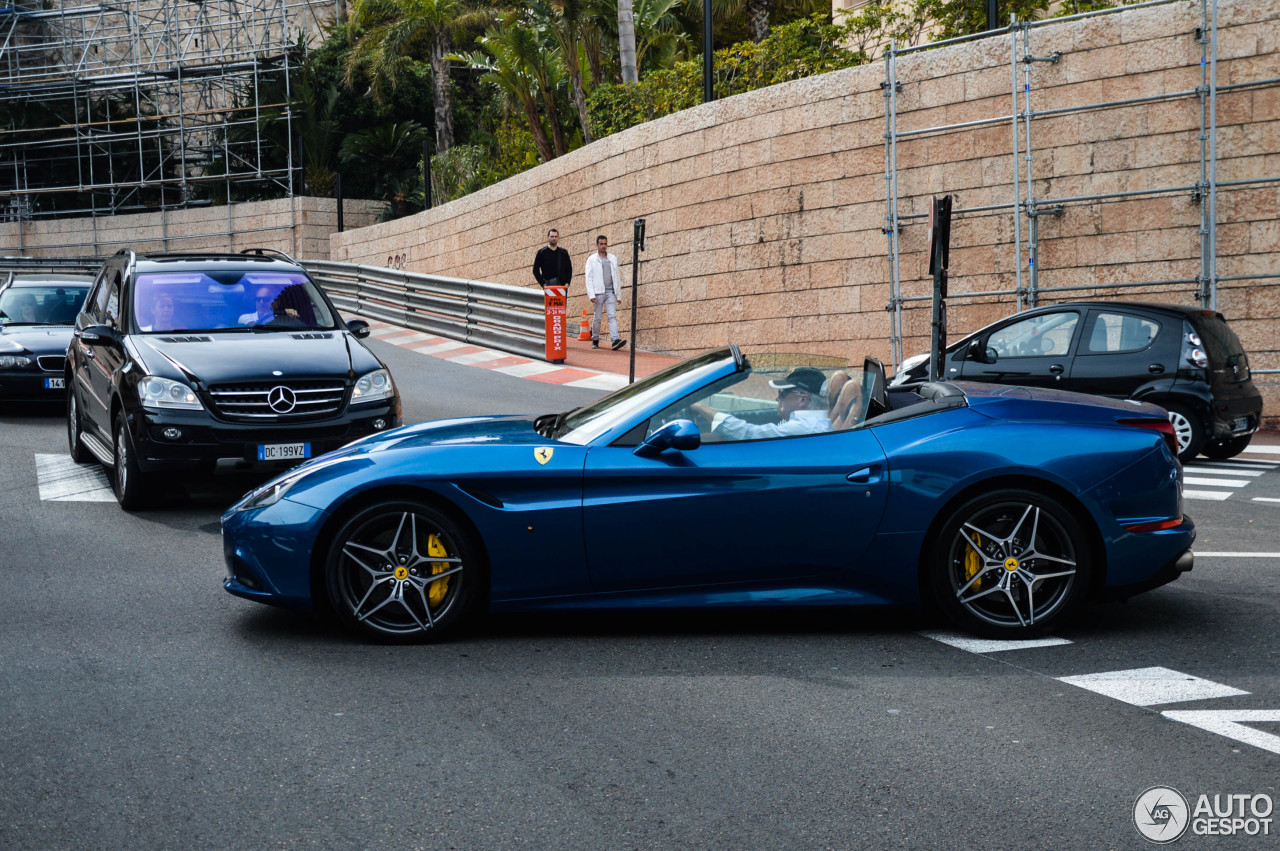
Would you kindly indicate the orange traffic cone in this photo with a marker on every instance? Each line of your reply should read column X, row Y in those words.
column 584, row 333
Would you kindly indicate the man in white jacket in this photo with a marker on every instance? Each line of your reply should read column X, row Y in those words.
column 604, row 285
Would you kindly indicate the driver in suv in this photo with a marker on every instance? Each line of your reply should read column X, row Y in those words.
column 163, row 375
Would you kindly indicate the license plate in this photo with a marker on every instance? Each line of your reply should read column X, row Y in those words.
column 1239, row 424
column 55, row 384
column 284, row 451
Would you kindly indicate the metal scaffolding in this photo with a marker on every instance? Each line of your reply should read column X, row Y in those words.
column 1026, row 209
column 147, row 105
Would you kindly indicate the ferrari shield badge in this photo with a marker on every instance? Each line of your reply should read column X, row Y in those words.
column 544, row 453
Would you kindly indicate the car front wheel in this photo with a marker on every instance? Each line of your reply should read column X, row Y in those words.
column 1010, row 564
column 128, row 481
column 402, row 571
column 1189, row 430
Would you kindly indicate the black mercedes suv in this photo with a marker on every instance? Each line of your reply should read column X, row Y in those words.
column 1185, row 359
column 199, row 363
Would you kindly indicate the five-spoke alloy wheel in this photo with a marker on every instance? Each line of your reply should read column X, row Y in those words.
column 1010, row 564
column 402, row 571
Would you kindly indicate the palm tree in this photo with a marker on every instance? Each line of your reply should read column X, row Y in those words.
column 505, row 51
column 568, row 20
column 627, row 41
column 388, row 34
column 389, row 151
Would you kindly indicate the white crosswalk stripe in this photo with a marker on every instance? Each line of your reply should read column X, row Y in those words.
column 1230, row 475
column 63, row 480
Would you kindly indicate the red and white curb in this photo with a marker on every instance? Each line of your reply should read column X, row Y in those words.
column 467, row 354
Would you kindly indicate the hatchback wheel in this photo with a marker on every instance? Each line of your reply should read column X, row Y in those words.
column 1189, row 430
column 1010, row 564
column 403, row 572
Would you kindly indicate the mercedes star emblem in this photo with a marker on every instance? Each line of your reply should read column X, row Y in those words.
column 281, row 400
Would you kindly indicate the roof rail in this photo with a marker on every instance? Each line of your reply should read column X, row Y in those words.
column 265, row 251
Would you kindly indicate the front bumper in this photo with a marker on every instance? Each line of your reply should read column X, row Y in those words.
column 30, row 385
column 192, row 440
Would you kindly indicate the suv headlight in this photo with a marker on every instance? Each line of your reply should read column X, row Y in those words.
column 375, row 385
column 155, row 392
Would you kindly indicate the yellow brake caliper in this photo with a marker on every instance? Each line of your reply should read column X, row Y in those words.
column 436, row 590
column 972, row 563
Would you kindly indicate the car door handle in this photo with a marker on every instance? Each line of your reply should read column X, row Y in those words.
column 865, row 476
column 1057, row 369
column 89, row 354
column 1156, row 368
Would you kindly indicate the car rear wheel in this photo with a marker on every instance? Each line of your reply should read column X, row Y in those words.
column 1229, row 448
column 402, row 572
column 1010, row 564
column 1189, row 430
column 74, row 445
column 128, row 481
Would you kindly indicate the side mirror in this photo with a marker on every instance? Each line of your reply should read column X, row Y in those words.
column 682, row 435
column 358, row 328
column 100, row 335
column 981, row 352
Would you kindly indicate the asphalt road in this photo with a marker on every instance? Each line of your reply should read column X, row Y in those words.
column 143, row 707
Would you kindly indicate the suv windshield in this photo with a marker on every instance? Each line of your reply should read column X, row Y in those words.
column 228, row 300
column 51, row 305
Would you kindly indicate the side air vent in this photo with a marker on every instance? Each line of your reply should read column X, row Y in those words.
column 312, row 336
column 187, row 339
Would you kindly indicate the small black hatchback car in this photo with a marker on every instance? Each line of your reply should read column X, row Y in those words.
column 197, row 363
column 1185, row 359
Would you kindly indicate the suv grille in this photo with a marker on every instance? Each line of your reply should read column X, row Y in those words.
column 52, row 363
column 278, row 400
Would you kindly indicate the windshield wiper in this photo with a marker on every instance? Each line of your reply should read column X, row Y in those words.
column 549, row 425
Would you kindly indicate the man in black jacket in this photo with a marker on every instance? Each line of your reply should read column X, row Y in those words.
column 551, row 266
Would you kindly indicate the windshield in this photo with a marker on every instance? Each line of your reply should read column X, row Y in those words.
column 231, row 300
column 49, row 305
column 587, row 423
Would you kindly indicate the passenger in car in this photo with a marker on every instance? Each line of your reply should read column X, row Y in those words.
column 161, row 314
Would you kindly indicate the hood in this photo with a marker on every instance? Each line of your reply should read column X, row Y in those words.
column 214, row 358
column 40, row 339
column 467, row 431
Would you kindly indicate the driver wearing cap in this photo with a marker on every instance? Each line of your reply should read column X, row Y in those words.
column 802, row 409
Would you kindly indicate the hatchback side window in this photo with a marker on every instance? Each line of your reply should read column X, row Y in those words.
column 1120, row 332
column 1046, row 335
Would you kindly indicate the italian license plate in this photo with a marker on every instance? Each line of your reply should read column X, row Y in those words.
column 1239, row 424
column 284, row 451
column 55, row 384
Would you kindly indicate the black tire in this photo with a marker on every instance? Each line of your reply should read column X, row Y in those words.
column 1229, row 448
column 1189, row 430
column 131, row 486
column 377, row 573
column 989, row 580
column 75, row 446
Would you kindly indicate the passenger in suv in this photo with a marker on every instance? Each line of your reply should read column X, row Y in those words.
column 1185, row 359
column 163, row 376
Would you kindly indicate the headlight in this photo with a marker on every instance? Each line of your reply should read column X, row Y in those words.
column 11, row 362
column 274, row 490
column 157, row 393
column 375, row 385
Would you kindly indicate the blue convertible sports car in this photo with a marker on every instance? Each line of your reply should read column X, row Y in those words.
column 731, row 481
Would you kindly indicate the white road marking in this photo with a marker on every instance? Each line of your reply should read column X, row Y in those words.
column 1237, row 464
column 987, row 645
column 523, row 370
column 1264, row 450
column 1202, row 470
column 1237, row 555
column 1218, row 495
column 1265, row 499
column 478, row 357
column 1151, row 686
column 1228, row 722
column 440, row 347
column 604, row 381
column 1221, row 483
column 63, row 480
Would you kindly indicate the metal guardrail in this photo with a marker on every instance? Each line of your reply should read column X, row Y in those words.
column 499, row 316
column 45, row 265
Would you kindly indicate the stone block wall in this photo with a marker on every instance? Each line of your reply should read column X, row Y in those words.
column 299, row 226
column 765, row 211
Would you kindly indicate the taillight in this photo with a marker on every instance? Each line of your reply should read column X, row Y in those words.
column 1156, row 526
column 1161, row 425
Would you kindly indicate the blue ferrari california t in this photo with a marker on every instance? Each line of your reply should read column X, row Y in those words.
column 727, row 480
